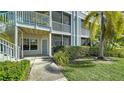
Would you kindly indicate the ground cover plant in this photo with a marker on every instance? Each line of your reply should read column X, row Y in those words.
column 14, row 71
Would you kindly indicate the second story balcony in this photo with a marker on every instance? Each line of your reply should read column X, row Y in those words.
column 61, row 21
column 32, row 19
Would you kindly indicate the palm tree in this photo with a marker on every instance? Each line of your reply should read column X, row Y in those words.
column 111, row 27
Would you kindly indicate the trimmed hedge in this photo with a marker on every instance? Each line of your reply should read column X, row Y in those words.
column 14, row 71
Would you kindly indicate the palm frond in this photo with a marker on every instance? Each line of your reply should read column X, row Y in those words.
column 93, row 28
column 88, row 18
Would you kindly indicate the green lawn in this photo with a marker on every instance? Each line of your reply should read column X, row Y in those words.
column 98, row 71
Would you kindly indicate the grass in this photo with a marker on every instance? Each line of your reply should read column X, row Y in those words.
column 89, row 70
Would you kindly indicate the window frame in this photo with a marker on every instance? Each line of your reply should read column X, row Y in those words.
column 30, row 44
column 66, row 15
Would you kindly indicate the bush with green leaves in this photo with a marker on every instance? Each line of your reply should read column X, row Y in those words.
column 76, row 52
column 14, row 71
column 64, row 55
column 61, row 58
column 58, row 48
column 93, row 51
column 117, row 52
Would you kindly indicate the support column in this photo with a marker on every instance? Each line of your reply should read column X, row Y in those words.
column 16, row 38
column 62, row 40
column 73, row 28
column 22, row 54
column 16, row 42
column 50, row 34
column 50, row 45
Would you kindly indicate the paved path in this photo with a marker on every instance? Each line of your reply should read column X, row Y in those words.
column 43, row 69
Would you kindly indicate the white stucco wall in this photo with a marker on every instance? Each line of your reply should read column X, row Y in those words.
column 39, row 50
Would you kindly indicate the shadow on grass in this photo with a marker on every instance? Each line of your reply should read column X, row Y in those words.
column 84, row 63
column 68, row 70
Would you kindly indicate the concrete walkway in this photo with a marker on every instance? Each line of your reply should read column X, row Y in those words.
column 43, row 69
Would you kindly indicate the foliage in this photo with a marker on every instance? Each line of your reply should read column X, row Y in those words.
column 112, row 26
column 58, row 48
column 93, row 51
column 117, row 52
column 14, row 71
column 73, row 52
column 76, row 52
column 61, row 58
column 4, row 34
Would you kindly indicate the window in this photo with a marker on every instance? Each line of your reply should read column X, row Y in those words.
column 57, row 16
column 26, row 44
column 84, row 41
column 66, row 40
column 30, row 44
column 66, row 19
column 33, row 44
column 82, row 21
column 56, row 40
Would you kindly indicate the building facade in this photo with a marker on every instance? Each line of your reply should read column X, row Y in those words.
column 35, row 33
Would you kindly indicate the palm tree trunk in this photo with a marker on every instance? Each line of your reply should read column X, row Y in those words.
column 101, row 44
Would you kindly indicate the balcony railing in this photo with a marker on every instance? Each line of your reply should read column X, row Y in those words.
column 61, row 27
column 26, row 18
column 8, row 17
column 85, row 32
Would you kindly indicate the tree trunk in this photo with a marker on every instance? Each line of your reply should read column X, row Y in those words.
column 101, row 43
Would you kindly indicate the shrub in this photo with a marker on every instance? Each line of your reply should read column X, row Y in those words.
column 61, row 58
column 75, row 52
column 93, row 51
column 58, row 48
column 118, row 52
column 64, row 54
column 14, row 70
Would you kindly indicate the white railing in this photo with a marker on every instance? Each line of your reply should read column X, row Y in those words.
column 26, row 17
column 85, row 32
column 66, row 28
column 7, row 50
column 57, row 26
column 7, row 17
column 61, row 27
column 32, row 18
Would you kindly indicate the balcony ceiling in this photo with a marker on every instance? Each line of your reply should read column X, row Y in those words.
column 33, row 31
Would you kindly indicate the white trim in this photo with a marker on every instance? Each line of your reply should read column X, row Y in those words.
column 57, row 32
column 50, row 44
column 22, row 43
column 33, row 27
